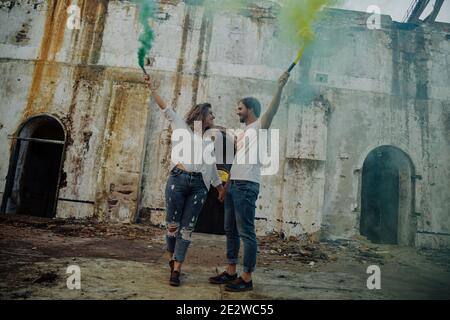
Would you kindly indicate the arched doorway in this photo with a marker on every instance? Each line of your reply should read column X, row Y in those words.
column 211, row 218
column 35, row 166
column 387, row 197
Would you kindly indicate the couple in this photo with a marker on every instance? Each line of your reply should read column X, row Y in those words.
column 188, row 184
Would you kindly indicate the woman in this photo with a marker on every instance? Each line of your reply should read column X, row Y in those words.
column 188, row 183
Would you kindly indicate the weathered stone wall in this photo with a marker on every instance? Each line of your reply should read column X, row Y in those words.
column 58, row 71
column 356, row 89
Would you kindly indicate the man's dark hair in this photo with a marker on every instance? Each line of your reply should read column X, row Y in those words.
column 253, row 104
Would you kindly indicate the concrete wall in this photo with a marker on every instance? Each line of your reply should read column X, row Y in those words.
column 356, row 89
column 57, row 71
column 390, row 87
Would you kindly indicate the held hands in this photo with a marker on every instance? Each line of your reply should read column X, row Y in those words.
column 222, row 192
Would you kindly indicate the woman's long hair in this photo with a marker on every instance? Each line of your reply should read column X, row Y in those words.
column 197, row 113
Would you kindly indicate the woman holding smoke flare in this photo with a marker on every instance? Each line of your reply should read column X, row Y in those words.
column 188, row 183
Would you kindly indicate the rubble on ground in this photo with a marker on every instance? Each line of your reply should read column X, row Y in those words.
column 87, row 228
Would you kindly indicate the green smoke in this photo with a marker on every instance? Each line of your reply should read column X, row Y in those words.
column 146, row 12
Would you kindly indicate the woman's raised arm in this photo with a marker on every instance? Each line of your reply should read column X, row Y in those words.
column 159, row 101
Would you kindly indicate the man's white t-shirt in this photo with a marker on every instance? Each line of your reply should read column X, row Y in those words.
column 246, row 164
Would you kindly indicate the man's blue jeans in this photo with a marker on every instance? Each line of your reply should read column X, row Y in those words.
column 240, row 222
column 185, row 195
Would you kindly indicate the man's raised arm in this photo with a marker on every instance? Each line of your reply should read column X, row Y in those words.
column 267, row 117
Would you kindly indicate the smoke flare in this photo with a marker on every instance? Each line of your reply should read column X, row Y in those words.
column 296, row 20
column 146, row 12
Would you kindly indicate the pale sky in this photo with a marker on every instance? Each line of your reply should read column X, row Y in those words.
column 395, row 8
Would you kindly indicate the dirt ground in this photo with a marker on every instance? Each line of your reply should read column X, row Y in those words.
column 120, row 261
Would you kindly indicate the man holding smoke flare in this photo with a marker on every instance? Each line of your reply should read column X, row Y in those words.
column 242, row 192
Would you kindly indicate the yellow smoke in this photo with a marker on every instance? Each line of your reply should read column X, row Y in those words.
column 296, row 21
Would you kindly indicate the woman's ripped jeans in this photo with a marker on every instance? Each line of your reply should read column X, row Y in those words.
column 185, row 195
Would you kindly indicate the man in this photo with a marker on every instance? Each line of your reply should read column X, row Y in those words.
column 242, row 192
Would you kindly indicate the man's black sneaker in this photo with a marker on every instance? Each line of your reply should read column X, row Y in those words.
column 239, row 285
column 174, row 279
column 223, row 278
